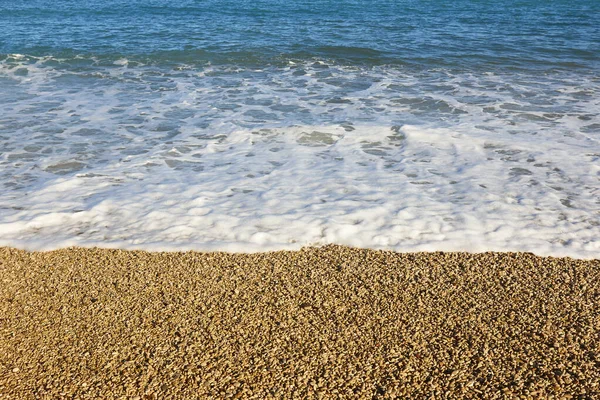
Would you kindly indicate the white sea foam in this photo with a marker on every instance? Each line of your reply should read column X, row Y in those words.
column 242, row 160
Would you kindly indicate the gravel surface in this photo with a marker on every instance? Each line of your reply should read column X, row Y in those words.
column 319, row 322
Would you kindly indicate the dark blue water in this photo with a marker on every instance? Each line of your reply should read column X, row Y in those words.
column 536, row 34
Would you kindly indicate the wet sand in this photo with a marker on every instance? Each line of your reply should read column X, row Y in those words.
column 319, row 322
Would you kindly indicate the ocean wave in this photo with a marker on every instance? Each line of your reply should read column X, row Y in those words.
column 116, row 152
column 262, row 57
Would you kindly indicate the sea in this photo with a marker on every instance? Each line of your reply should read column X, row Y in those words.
column 408, row 125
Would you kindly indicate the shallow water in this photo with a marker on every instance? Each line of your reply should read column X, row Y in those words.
column 264, row 125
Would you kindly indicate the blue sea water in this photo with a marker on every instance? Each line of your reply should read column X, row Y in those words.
column 466, row 34
column 249, row 125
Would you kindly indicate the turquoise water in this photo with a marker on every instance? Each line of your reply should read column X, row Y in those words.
column 252, row 125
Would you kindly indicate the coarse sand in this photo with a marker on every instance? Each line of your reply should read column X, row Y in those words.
column 329, row 322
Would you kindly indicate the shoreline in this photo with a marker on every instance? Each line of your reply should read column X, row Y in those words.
column 333, row 321
column 253, row 248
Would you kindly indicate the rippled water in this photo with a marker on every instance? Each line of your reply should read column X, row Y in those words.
column 262, row 125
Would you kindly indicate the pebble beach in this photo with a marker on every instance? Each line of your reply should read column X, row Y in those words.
column 268, row 199
column 328, row 322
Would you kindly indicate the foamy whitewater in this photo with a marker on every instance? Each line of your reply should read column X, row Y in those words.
column 133, row 153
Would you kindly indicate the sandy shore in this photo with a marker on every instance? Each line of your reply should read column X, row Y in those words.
column 332, row 321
